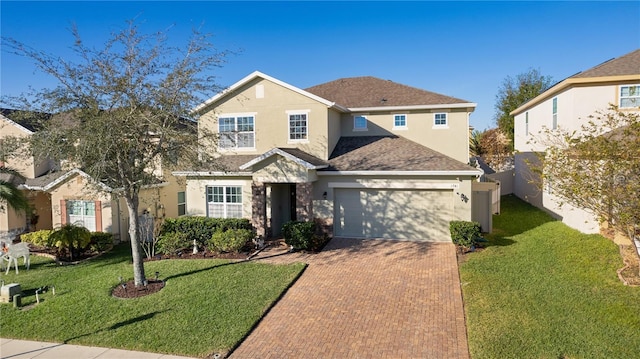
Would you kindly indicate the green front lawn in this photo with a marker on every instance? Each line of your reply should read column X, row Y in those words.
column 207, row 306
column 543, row 290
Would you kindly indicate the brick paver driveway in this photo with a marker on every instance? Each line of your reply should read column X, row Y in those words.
column 366, row 299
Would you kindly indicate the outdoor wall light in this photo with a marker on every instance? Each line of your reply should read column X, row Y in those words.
column 324, row 195
column 464, row 198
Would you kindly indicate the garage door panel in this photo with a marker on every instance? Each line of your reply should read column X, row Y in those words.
column 398, row 214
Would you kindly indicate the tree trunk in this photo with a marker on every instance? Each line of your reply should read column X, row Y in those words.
column 138, row 263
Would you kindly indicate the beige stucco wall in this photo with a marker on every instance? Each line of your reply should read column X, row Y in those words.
column 162, row 200
column 197, row 193
column 23, row 165
column 277, row 169
column 575, row 105
column 271, row 119
column 76, row 188
column 10, row 220
column 451, row 140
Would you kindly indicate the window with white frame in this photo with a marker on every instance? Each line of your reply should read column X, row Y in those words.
column 359, row 123
column 629, row 96
column 298, row 127
column 526, row 123
column 224, row 201
column 554, row 125
column 236, row 132
column 182, row 204
column 440, row 120
column 399, row 121
column 82, row 213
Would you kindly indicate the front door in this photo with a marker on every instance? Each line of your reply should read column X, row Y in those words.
column 281, row 206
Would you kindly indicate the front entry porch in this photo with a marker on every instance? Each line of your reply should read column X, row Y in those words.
column 274, row 204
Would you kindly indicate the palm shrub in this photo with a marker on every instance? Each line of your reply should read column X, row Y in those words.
column 299, row 234
column 231, row 240
column 70, row 237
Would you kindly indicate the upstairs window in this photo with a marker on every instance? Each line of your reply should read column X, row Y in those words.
column 629, row 96
column 554, row 125
column 236, row 132
column 298, row 127
column 399, row 121
column 359, row 123
column 440, row 120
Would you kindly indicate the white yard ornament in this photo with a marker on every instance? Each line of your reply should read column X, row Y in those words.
column 11, row 253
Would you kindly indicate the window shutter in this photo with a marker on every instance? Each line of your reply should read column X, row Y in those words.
column 98, row 216
column 63, row 212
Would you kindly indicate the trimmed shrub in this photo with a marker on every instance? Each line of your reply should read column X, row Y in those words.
column 202, row 228
column 100, row 241
column 231, row 240
column 299, row 234
column 464, row 233
column 37, row 238
column 173, row 242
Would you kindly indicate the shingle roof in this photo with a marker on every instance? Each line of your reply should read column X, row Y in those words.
column 628, row 64
column 304, row 156
column 228, row 163
column 27, row 119
column 389, row 153
column 358, row 92
column 44, row 180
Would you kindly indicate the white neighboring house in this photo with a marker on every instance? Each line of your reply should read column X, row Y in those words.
column 568, row 105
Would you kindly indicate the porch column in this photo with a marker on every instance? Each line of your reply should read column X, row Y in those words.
column 259, row 208
column 304, row 201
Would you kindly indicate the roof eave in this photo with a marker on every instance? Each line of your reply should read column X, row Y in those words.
column 209, row 173
column 568, row 83
column 277, row 151
column 17, row 125
column 403, row 173
column 470, row 105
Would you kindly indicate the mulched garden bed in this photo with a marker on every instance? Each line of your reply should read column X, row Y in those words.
column 128, row 290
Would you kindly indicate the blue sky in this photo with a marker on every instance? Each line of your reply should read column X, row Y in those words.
column 461, row 49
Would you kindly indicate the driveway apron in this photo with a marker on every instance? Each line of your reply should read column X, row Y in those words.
column 366, row 299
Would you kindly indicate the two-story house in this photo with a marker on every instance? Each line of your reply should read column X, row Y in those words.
column 364, row 157
column 59, row 196
column 568, row 105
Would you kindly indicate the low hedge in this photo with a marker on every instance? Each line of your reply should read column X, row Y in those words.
column 100, row 241
column 173, row 242
column 38, row 238
column 231, row 240
column 464, row 233
column 202, row 228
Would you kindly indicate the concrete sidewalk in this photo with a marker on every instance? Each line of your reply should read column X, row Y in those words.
column 22, row 349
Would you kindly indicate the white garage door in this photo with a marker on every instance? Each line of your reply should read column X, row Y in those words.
column 421, row 215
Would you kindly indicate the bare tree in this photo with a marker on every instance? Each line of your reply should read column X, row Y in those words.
column 123, row 110
column 514, row 92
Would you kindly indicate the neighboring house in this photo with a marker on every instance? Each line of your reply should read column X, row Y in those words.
column 363, row 157
column 59, row 197
column 568, row 105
